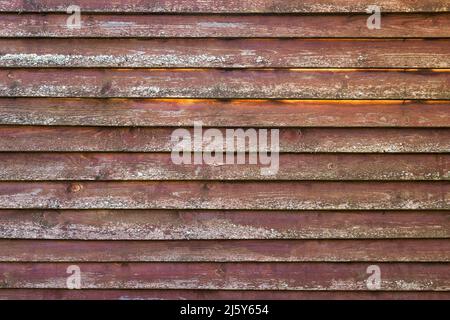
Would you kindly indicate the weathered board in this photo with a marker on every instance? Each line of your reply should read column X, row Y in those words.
column 87, row 178
column 159, row 166
column 236, row 195
column 294, row 140
column 223, row 113
column 229, row 276
column 230, row 6
column 198, row 294
column 219, row 224
column 213, row 53
column 226, row 83
column 227, row 251
column 224, row 26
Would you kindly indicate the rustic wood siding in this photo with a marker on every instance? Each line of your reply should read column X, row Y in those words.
column 86, row 176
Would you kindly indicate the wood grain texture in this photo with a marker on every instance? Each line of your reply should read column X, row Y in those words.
column 159, row 166
column 213, row 53
column 221, row 225
column 226, row 251
column 233, row 6
column 225, row 26
column 226, row 195
column 138, row 139
column 223, row 113
column 201, row 83
column 86, row 176
column 229, row 276
column 198, row 83
column 136, row 294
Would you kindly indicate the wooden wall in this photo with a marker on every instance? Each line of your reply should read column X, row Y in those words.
column 85, row 171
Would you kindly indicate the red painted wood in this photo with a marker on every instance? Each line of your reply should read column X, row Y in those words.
column 233, row 6
column 201, row 83
column 223, row 113
column 214, row 224
column 216, row 53
column 225, row 26
column 226, row 251
column 226, row 195
column 364, row 135
column 159, row 166
column 229, row 276
column 295, row 140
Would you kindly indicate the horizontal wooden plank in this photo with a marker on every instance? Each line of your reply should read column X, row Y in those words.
column 229, row 276
column 226, row 251
column 226, row 195
column 208, row 6
column 159, row 166
column 214, row 53
column 223, row 113
column 138, row 139
column 201, row 83
column 136, row 294
column 188, row 225
column 225, row 26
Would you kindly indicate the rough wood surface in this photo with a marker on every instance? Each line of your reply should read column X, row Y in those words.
column 195, row 224
column 226, row 195
column 225, row 83
column 223, row 113
column 86, row 177
column 136, row 294
column 138, row 139
column 213, row 53
column 229, row 276
column 159, row 166
column 226, row 251
column 225, row 26
column 233, row 6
